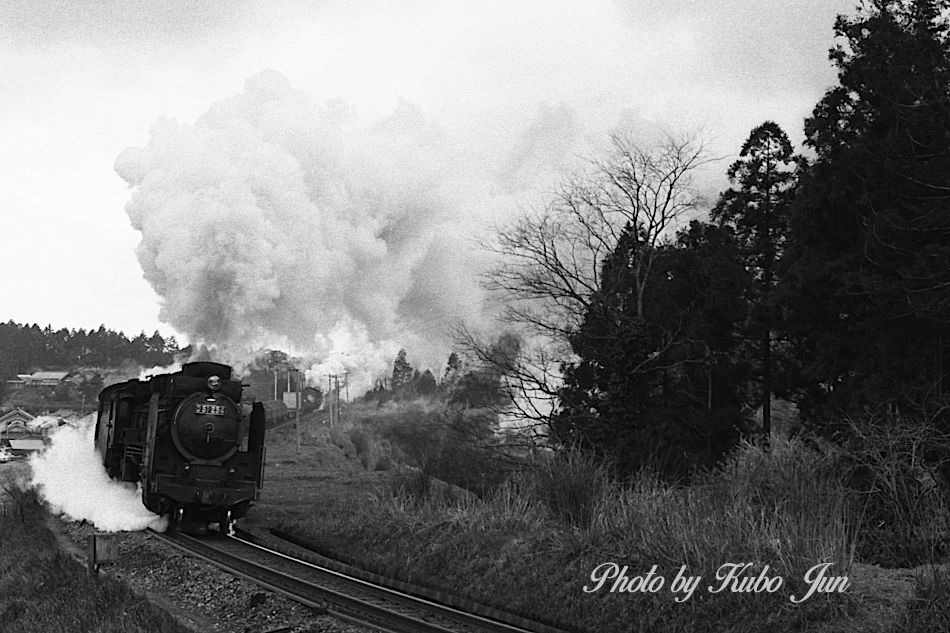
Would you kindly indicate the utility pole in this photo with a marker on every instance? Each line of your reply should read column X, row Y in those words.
column 332, row 398
column 297, row 372
column 329, row 397
column 336, row 379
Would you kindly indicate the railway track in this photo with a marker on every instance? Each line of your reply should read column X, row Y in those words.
column 340, row 594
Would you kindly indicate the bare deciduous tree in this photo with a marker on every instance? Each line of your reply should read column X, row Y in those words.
column 550, row 258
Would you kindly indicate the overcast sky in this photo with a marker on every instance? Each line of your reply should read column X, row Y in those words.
column 83, row 81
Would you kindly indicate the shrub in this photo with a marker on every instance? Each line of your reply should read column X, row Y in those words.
column 341, row 439
column 364, row 445
column 929, row 611
column 571, row 485
column 783, row 508
column 895, row 470
column 417, row 433
column 410, row 485
column 384, row 456
column 791, row 500
column 454, row 445
column 21, row 503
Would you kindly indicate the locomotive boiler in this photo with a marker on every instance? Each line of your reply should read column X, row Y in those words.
column 195, row 448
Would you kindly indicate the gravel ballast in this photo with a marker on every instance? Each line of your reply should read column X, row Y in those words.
column 199, row 595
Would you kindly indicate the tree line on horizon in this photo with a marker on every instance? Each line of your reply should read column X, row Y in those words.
column 28, row 348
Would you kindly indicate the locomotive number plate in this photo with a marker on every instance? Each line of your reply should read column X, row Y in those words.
column 209, row 409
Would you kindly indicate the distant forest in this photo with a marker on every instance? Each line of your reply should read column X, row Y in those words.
column 28, row 348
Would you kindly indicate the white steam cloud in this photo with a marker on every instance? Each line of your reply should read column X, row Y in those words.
column 145, row 374
column 70, row 476
column 273, row 221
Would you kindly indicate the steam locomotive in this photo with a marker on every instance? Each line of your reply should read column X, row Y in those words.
column 186, row 437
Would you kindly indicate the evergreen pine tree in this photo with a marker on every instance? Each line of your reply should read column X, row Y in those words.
column 402, row 374
column 867, row 282
column 657, row 381
column 756, row 208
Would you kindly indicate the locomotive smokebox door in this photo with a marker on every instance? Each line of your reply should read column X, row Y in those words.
column 206, row 428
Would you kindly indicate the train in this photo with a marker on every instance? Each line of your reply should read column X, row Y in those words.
column 191, row 443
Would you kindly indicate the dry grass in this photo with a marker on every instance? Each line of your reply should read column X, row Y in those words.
column 898, row 472
column 530, row 546
column 929, row 610
column 42, row 590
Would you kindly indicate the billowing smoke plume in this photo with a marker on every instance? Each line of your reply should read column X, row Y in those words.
column 274, row 221
column 69, row 475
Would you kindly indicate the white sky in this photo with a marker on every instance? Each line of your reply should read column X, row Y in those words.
column 82, row 81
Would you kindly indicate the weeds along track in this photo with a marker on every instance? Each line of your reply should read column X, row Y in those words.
column 340, row 594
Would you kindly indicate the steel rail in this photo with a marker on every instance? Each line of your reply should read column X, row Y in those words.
column 297, row 547
column 338, row 604
column 463, row 617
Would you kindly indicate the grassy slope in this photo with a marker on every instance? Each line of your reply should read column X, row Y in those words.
column 513, row 554
column 510, row 552
column 42, row 590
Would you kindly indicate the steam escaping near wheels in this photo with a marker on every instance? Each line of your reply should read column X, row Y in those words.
column 70, row 477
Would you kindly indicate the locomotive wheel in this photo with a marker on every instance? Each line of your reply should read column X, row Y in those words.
column 175, row 516
column 226, row 524
column 193, row 525
column 194, row 528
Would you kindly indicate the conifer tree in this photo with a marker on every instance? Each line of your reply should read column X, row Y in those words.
column 756, row 208
column 657, row 382
column 867, row 282
column 402, row 373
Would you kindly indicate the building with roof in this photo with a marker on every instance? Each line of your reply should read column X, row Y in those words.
column 27, row 445
column 44, row 378
column 16, row 421
column 19, row 425
column 25, row 433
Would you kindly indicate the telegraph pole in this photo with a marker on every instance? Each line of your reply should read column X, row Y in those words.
column 336, row 379
column 297, row 371
column 329, row 397
column 332, row 398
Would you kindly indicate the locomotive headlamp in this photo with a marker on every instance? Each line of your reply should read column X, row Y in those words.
column 214, row 383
